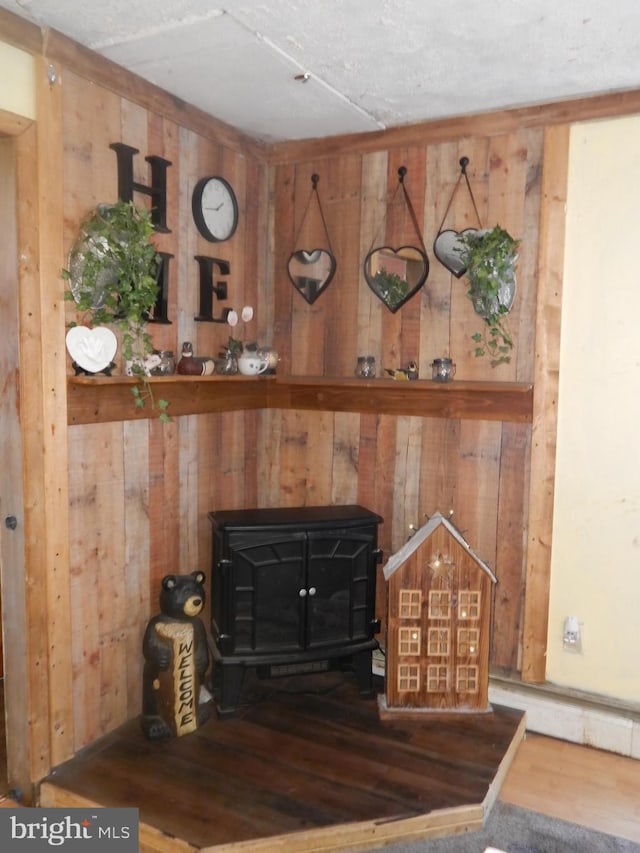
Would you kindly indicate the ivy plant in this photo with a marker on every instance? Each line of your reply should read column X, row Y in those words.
column 113, row 279
column 490, row 258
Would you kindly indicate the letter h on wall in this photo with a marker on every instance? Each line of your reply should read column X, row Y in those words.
column 158, row 194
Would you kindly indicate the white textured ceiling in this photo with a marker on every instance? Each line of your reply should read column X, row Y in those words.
column 371, row 64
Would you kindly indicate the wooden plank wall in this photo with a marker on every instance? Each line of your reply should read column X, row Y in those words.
column 139, row 490
column 406, row 468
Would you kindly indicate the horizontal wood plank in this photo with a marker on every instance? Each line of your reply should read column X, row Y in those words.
column 500, row 401
column 101, row 399
column 608, row 105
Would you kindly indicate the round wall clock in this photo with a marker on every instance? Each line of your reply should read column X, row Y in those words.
column 215, row 209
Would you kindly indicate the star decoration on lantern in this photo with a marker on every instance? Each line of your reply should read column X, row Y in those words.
column 441, row 566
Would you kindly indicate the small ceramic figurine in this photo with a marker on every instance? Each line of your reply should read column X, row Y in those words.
column 404, row 373
column 189, row 365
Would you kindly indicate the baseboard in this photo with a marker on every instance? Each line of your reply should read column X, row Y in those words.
column 573, row 716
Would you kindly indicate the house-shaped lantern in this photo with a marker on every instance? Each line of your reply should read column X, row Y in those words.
column 438, row 624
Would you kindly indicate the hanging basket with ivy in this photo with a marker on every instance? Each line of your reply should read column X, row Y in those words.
column 490, row 257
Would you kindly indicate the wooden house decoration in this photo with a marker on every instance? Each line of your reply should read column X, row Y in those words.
column 439, row 598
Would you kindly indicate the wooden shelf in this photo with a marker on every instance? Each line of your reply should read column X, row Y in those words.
column 98, row 399
column 496, row 401
column 101, row 399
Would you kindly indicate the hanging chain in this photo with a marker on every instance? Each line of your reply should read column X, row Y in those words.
column 402, row 171
column 314, row 193
column 464, row 162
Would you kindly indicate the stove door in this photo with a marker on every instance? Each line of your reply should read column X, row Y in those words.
column 340, row 587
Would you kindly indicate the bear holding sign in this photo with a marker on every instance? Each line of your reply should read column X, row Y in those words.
column 176, row 658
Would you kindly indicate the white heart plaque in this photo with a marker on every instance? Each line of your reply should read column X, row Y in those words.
column 91, row 349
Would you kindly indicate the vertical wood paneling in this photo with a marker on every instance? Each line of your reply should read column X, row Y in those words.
column 139, row 492
column 110, row 565
column 406, row 478
column 341, row 206
column 182, row 315
column 268, row 458
column 319, row 427
column 373, row 195
column 144, row 488
column 164, row 497
column 543, row 439
column 477, row 492
column 281, row 292
column 442, row 171
column 403, row 468
column 12, row 543
column 163, row 141
column 346, row 462
column 47, row 401
column 511, row 511
column 189, row 511
column 527, row 272
column 137, row 548
column 438, row 475
column 98, row 587
column 464, row 322
column 34, row 645
column 308, row 343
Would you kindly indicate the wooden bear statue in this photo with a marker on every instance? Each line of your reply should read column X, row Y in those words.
column 176, row 658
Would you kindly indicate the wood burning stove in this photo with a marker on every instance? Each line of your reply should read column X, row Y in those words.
column 293, row 591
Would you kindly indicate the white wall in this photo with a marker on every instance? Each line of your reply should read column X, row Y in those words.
column 17, row 93
column 595, row 572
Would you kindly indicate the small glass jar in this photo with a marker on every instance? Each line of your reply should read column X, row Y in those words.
column 442, row 369
column 366, row 367
column 227, row 363
column 165, row 363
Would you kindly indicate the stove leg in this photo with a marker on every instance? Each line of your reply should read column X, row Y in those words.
column 227, row 685
column 364, row 674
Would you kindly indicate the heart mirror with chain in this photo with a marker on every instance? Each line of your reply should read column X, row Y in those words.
column 396, row 273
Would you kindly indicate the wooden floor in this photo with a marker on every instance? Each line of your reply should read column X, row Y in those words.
column 588, row 786
column 307, row 764
column 568, row 781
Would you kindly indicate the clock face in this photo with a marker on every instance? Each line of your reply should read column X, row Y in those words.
column 215, row 209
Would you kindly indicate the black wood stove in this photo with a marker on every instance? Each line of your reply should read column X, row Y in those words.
column 293, row 591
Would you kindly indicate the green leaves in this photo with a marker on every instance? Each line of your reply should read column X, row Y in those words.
column 490, row 257
column 113, row 270
column 143, row 393
column 119, row 266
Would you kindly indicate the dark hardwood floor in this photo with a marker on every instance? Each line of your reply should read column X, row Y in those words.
column 303, row 755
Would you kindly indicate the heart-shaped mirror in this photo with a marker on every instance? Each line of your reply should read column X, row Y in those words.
column 91, row 349
column 311, row 272
column 447, row 248
column 395, row 275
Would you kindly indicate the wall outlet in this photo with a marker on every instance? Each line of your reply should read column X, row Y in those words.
column 572, row 635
